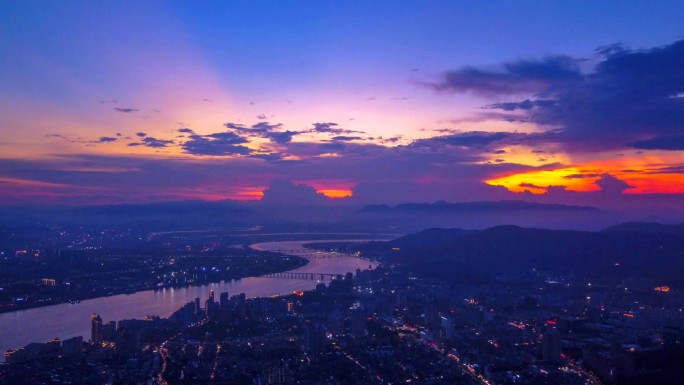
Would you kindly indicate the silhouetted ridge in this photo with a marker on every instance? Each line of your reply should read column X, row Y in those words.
column 508, row 205
column 513, row 250
column 646, row 227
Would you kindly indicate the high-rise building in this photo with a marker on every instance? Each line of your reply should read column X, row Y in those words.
column 72, row 346
column 551, row 344
column 109, row 331
column 335, row 322
column 209, row 305
column 431, row 315
column 314, row 337
column 96, row 328
column 357, row 327
column 447, row 324
column 224, row 307
column 198, row 308
column 276, row 374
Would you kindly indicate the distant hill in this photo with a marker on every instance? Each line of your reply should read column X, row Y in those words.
column 647, row 227
column 191, row 214
column 411, row 217
column 479, row 207
column 431, row 241
column 510, row 250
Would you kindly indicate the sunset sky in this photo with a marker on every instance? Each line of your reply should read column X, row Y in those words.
column 109, row 102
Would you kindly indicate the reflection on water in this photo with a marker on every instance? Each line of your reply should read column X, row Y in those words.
column 68, row 320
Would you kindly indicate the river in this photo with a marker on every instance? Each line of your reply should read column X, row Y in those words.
column 20, row 328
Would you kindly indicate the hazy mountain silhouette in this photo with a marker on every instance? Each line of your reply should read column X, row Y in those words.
column 512, row 250
column 647, row 227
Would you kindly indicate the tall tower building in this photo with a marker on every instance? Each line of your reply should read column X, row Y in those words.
column 197, row 307
column 209, row 304
column 314, row 337
column 551, row 345
column 96, row 328
column 224, row 309
column 447, row 324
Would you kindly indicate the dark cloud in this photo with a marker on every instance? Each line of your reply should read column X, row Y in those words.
column 155, row 143
column 612, row 185
column 261, row 117
column 263, row 130
column 393, row 139
column 475, row 138
column 663, row 142
column 631, row 98
column 331, row 128
column 282, row 137
column 141, row 134
column 125, row 110
column 532, row 186
column 219, row 144
column 326, row 127
column 286, row 193
column 269, row 157
column 343, row 138
column 265, row 127
column 581, row 176
column 186, row 130
column 526, row 104
column 678, row 169
column 520, row 77
column 106, row 139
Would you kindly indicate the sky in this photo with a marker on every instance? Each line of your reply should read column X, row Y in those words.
column 362, row 102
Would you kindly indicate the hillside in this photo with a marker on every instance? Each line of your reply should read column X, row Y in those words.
column 510, row 250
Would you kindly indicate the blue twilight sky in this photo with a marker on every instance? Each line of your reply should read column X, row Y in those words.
column 423, row 98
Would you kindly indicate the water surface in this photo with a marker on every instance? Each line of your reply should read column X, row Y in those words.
column 20, row 328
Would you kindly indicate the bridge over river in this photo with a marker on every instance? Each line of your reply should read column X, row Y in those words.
column 313, row 254
column 305, row 276
column 67, row 320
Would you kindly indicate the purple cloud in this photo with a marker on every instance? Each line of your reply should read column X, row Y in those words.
column 631, row 98
column 520, row 77
column 125, row 110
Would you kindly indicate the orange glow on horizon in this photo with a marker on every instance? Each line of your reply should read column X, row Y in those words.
column 648, row 175
column 538, row 182
column 336, row 193
column 331, row 188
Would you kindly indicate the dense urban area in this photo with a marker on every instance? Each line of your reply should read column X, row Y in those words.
column 341, row 192
column 397, row 323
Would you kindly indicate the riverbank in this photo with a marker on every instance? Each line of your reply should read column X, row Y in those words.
column 66, row 320
column 289, row 262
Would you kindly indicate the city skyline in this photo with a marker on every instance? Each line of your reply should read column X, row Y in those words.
column 126, row 102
